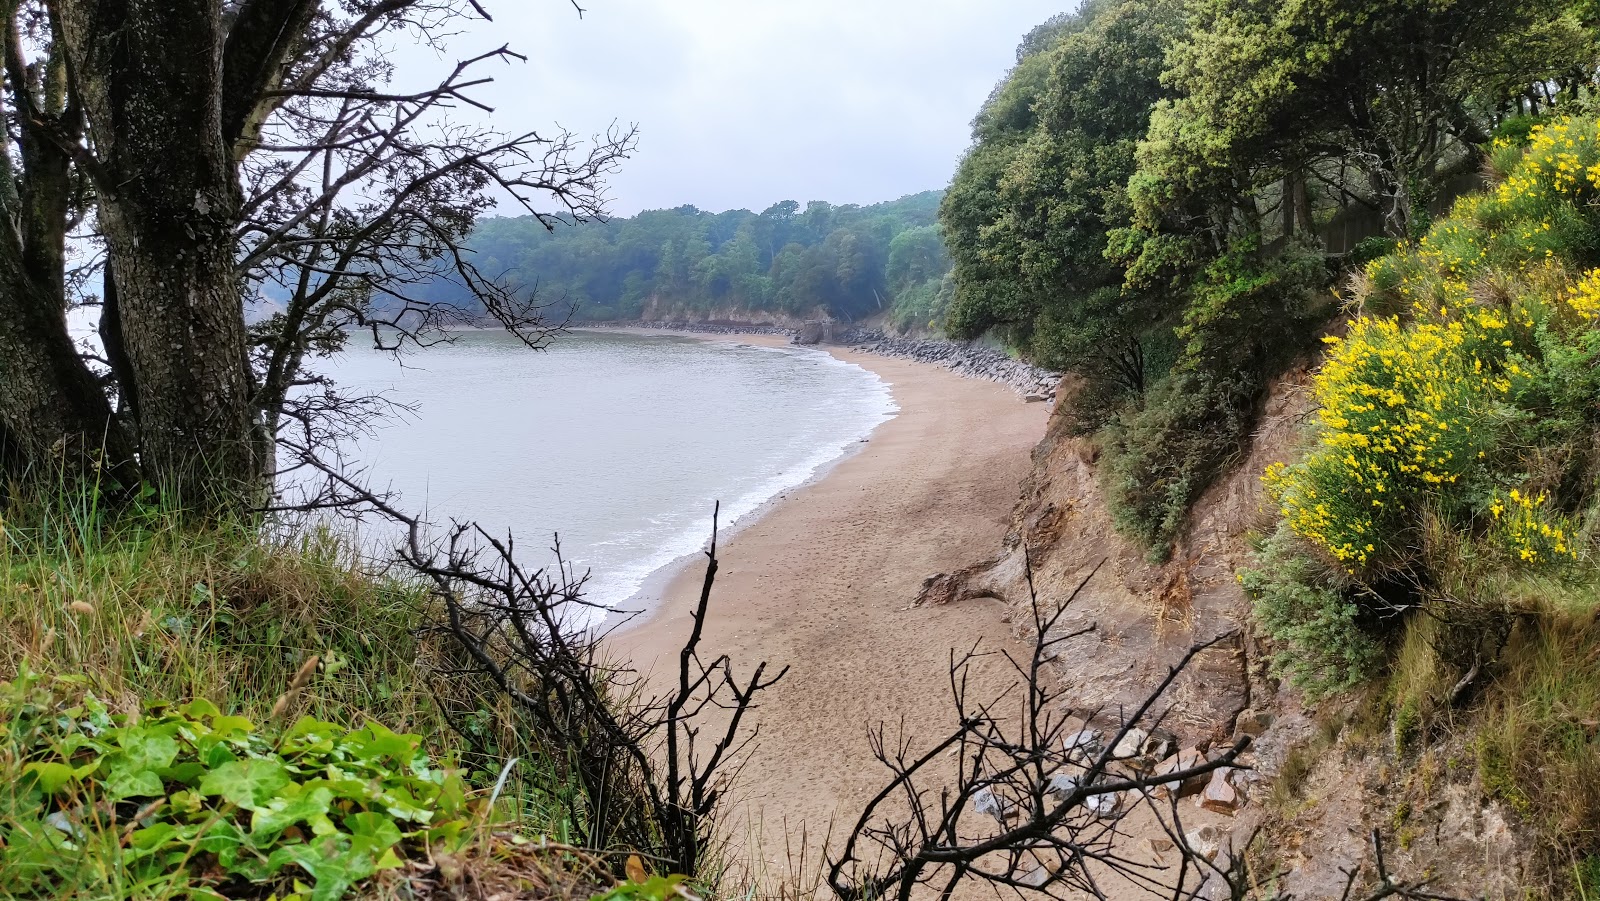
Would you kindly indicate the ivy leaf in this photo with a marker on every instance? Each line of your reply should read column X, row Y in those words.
column 198, row 708
column 249, row 783
column 280, row 813
column 127, row 781
column 50, row 777
column 378, row 829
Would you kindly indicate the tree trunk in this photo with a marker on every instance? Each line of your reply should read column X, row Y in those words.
column 168, row 200
column 55, row 416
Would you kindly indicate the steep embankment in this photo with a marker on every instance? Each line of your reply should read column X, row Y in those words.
column 1322, row 779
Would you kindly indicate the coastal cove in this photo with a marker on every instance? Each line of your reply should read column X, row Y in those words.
column 825, row 581
column 486, row 439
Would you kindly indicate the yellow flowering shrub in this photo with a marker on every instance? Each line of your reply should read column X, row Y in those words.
column 1525, row 526
column 1479, row 333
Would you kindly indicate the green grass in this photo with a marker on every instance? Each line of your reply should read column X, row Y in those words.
column 141, row 609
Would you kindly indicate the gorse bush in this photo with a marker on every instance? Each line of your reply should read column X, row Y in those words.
column 1465, row 389
column 183, row 800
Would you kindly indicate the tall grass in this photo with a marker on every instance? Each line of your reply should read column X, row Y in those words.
column 150, row 608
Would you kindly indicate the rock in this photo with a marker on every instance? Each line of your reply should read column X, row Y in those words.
column 986, row 801
column 1131, row 745
column 1187, row 759
column 1062, row 786
column 1107, row 806
column 1034, row 398
column 1161, row 845
column 1160, row 745
column 1205, row 841
column 1219, row 795
column 1036, row 878
column 1252, row 722
column 1083, row 746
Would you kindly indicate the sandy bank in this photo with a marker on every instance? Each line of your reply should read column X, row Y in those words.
column 824, row 581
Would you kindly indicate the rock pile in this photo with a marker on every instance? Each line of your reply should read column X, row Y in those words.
column 962, row 357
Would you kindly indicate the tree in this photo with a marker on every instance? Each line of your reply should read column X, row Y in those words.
column 1031, row 211
column 199, row 152
column 1272, row 94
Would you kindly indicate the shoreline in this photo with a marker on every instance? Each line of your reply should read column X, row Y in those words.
column 824, row 579
column 638, row 609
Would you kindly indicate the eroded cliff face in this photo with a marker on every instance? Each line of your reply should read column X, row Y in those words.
column 1318, row 785
column 1145, row 616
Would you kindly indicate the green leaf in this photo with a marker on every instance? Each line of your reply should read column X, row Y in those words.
column 50, row 777
column 125, row 781
column 280, row 813
column 152, row 836
column 380, row 829
column 151, row 749
column 249, row 783
column 231, row 726
column 198, row 708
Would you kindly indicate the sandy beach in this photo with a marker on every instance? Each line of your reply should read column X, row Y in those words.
column 824, row 584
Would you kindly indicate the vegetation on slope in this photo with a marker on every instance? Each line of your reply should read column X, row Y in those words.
column 1447, row 504
column 1161, row 191
column 198, row 710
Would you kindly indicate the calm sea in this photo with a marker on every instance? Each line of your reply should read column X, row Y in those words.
column 620, row 444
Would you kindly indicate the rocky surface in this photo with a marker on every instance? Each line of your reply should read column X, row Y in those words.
column 963, row 357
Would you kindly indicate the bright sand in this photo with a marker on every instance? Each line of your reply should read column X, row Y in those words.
column 824, row 583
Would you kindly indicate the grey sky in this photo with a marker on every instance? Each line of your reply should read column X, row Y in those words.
column 741, row 103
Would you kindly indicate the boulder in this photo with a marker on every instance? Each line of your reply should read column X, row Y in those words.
column 1107, row 806
column 1205, row 841
column 990, row 803
column 1252, row 722
column 1063, row 785
column 1131, row 745
column 1219, row 795
column 1186, row 759
column 1083, row 746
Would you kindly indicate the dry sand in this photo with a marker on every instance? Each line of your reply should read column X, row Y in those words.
column 824, row 582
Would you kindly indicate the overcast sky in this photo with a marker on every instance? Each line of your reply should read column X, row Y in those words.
column 741, row 103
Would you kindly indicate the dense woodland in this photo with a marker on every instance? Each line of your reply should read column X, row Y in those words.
column 846, row 262
column 1161, row 193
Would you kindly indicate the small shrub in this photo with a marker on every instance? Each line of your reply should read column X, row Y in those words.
column 184, row 797
column 1315, row 627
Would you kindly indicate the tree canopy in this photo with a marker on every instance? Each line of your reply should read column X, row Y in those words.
column 845, row 261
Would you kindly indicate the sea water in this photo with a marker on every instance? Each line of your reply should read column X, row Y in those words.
column 620, row 444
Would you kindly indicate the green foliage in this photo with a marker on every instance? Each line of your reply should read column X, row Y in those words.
column 1162, row 454
column 186, row 798
column 1029, row 211
column 1305, row 608
column 1466, row 392
column 847, row 261
column 1248, row 317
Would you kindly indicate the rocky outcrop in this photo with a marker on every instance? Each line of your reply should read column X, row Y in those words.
column 966, row 358
column 1141, row 617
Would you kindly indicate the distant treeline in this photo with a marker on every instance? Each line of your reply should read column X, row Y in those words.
column 848, row 262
